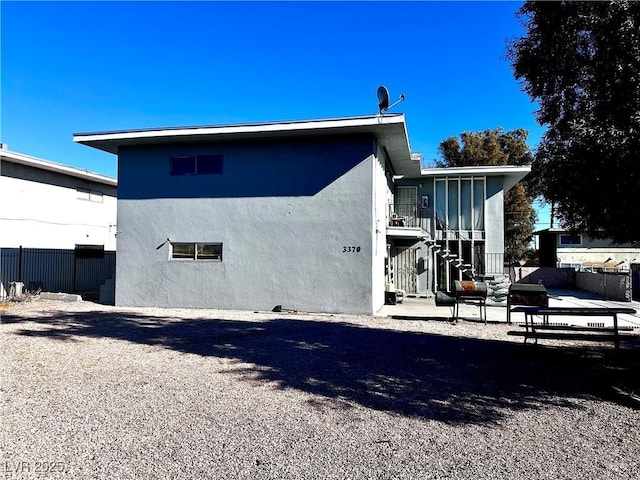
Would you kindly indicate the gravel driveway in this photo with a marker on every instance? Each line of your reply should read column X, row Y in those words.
column 95, row 392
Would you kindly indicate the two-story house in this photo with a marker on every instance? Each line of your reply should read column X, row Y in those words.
column 315, row 215
column 50, row 205
column 57, row 224
column 560, row 248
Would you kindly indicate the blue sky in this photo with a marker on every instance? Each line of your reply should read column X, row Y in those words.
column 69, row 67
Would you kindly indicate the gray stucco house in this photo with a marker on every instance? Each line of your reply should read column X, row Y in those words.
column 319, row 215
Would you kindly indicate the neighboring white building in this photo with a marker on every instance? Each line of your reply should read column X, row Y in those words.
column 561, row 248
column 49, row 205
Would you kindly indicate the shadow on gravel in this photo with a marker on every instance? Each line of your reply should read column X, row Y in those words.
column 450, row 379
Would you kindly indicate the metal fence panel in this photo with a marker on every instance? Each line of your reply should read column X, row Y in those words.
column 50, row 270
column 9, row 259
column 54, row 270
column 92, row 272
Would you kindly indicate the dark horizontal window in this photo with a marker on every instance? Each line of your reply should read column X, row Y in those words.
column 196, row 165
column 570, row 239
column 183, row 166
column 209, row 165
column 89, row 251
column 183, row 250
column 196, row 251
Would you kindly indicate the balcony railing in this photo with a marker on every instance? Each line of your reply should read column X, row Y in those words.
column 409, row 216
column 490, row 263
column 446, row 232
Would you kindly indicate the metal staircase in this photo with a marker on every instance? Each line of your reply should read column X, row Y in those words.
column 464, row 266
column 451, row 258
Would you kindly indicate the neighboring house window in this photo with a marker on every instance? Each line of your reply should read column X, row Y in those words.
column 575, row 266
column 196, row 251
column 91, row 195
column 196, row 165
column 570, row 239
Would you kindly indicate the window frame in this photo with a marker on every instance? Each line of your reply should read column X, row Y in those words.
column 88, row 195
column 199, row 166
column 576, row 266
column 174, row 163
column 194, row 252
column 569, row 237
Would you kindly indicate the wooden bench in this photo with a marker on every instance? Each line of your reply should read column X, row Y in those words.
column 571, row 332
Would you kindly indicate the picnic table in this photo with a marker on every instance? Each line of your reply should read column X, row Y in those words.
column 544, row 329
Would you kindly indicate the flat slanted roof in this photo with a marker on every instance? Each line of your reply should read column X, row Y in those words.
column 390, row 130
column 512, row 174
column 22, row 159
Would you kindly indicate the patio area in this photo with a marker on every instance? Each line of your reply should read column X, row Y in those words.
column 419, row 307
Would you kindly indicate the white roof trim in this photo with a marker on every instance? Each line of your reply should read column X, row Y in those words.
column 22, row 159
column 512, row 174
column 389, row 130
column 476, row 170
column 294, row 126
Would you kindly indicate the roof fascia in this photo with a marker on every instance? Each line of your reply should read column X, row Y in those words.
column 476, row 170
column 239, row 129
column 38, row 163
column 389, row 130
column 512, row 173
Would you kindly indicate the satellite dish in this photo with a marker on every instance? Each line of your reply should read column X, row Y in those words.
column 383, row 98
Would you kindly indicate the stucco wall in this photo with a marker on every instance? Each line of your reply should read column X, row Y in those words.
column 41, row 209
column 382, row 197
column 549, row 277
column 295, row 220
column 612, row 286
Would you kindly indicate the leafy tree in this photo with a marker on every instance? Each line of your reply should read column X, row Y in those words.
column 580, row 61
column 496, row 147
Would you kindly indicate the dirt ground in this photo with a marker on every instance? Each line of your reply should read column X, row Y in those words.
column 91, row 391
